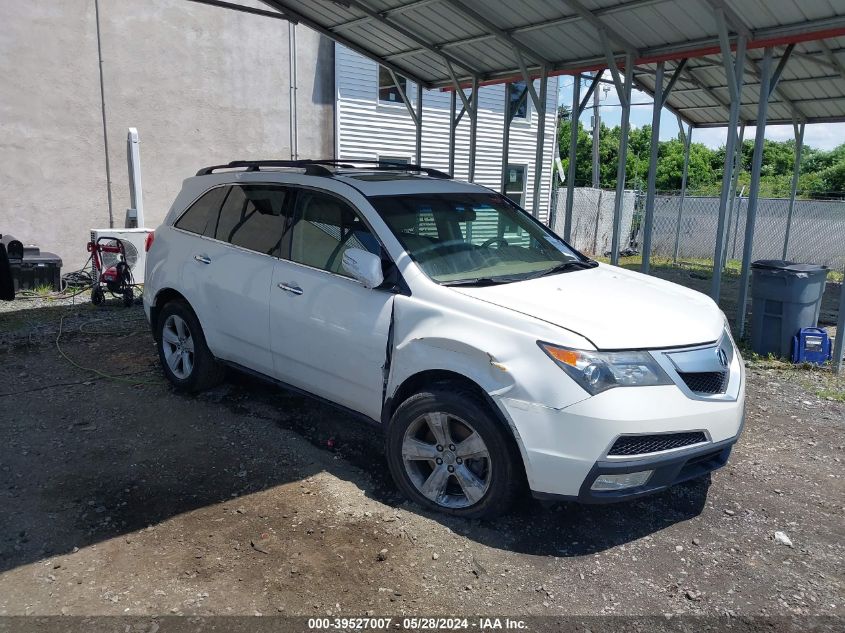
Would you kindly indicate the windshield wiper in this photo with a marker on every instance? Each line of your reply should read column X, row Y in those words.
column 478, row 281
column 575, row 264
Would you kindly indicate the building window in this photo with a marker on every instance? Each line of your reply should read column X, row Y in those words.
column 515, row 183
column 518, row 100
column 387, row 90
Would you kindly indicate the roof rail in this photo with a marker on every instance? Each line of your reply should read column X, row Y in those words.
column 319, row 167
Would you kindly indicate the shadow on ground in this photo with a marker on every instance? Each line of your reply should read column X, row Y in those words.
column 94, row 459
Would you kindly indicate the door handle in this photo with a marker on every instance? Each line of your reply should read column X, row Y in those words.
column 202, row 259
column 295, row 290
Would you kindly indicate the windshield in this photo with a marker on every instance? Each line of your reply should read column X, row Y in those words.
column 474, row 238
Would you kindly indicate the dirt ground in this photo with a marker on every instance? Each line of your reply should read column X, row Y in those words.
column 120, row 496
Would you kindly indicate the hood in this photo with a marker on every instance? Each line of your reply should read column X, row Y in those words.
column 612, row 307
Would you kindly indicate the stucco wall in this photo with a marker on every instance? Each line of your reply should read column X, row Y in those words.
column 203, row 85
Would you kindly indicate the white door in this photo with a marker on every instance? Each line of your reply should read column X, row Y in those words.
column 230, row 272
column 329, row 333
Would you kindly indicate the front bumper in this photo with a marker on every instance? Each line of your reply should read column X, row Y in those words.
column 564, row 450
column 669, row 469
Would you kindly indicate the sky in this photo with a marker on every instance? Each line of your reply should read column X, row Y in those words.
column 824, row 136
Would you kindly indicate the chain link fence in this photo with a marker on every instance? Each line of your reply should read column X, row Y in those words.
column 592, row 218
column 817, row 232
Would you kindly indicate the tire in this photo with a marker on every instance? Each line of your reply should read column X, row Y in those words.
column 184, row 355
column 128, row 297
column 472, row 486
column 98, row 297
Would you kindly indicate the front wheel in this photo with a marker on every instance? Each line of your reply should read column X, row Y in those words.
column 187, row 362
column 448, row 453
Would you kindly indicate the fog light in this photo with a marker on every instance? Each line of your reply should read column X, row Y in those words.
column 618, row 482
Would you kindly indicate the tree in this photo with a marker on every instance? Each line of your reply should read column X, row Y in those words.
column 822, row 172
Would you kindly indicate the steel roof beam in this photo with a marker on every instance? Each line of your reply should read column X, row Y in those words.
column 391, row 23
column 726, row 14
column 601, row 27
column 817, row 119
column 500, row 34
column 312, row 24
column 778, row 102
column 345, row 26
column 816, row 58
column 277, row 15
column 783, row 82
column 634, row 4
column 834, row 61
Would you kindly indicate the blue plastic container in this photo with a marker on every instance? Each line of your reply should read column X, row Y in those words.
column 811, row 345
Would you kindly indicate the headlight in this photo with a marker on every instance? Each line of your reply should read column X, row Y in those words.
column 600, row 371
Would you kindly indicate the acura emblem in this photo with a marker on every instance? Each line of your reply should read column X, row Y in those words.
column 722, row 356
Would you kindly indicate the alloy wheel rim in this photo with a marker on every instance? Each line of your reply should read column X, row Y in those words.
column 178, row 345
column 446, row 460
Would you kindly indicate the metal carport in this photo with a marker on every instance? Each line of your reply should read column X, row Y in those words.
column 714, row 63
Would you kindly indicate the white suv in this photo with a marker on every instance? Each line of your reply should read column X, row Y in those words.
column 489, row 351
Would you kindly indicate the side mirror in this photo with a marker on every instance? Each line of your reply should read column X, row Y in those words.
column 364, row 266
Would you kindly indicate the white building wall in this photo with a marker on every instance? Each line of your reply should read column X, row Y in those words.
column 367, row 129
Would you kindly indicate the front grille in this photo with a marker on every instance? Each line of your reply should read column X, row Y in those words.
column 706, row 381
column 642, row 444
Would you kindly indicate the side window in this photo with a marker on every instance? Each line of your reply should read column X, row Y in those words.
column 324, row 229
column 253, row 217
column 387, row 90
column 197, row 216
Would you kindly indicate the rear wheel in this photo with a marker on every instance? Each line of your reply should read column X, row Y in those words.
column 448, row 453
column 187, row 362
column 98, row 297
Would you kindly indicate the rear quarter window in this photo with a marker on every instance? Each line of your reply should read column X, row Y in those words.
column 196, row 218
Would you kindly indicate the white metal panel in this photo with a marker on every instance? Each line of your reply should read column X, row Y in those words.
column 369, row 129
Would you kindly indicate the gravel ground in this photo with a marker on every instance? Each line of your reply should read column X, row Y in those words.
column 121, row 497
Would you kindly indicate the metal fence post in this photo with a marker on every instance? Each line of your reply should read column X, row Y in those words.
column 687, row 143
column 733, row 203
column 840, row 332
column 796, row 171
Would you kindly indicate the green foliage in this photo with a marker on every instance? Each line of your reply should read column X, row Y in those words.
column 822, row 172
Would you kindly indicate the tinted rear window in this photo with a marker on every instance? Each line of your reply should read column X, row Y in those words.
column 196, row 218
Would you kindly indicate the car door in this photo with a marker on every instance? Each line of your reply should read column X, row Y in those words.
column 231, row 271
column 329, row 333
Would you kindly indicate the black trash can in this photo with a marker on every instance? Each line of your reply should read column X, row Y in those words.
column 785, row 297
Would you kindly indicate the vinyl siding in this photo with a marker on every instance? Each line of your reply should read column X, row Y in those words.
column 367, row 129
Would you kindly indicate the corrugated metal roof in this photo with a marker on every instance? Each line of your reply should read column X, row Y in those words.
column 485, row 38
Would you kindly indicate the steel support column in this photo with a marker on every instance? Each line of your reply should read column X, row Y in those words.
column 624, row 93
column 573, row 152
column 539, row 158
column 648, row 224
column 754, row 191
column 737, row 168
column 473, row 129
column 687, row 143
column 733, row 76
column 418, row 123
column 798, row 130
column 453, row 98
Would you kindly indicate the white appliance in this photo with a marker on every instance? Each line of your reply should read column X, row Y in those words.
column 133, row 241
